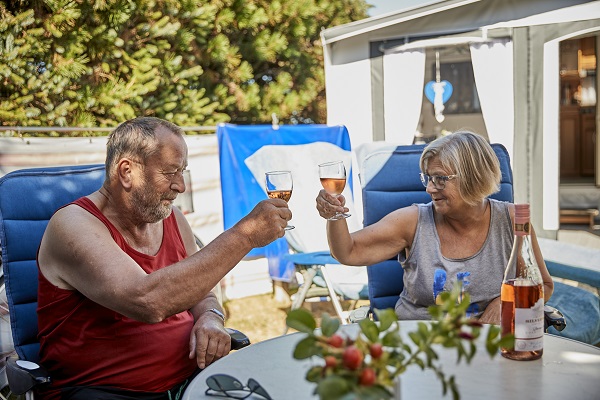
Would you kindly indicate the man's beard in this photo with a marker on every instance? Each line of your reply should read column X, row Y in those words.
column 149, row 205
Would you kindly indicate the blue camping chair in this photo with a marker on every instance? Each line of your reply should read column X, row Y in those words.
column 246, row 153
column 390, row 180
column 28, row 198
column 385, row 189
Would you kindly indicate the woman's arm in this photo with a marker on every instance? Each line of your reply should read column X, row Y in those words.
column 539, row 258
column 546, row 278
column 491, row 315
column 372, row 244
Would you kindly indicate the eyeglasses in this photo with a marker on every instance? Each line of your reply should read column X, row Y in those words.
column 222, row 385
column 179, row 172
column 439, row 181
column 172, row 175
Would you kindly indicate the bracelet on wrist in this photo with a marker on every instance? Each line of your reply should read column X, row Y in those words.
column 217, row 312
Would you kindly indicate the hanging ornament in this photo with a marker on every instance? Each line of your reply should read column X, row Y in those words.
column 438, row 92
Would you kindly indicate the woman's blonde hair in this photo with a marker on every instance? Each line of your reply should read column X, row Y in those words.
column 469, row 156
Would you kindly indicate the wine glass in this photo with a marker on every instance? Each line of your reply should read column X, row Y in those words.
column 333, row 179
column 279, row 185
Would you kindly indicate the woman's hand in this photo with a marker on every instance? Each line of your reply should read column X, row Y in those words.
column 328, row 204
column 491, row 315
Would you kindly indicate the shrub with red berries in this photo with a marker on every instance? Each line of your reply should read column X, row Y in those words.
column 365, row 367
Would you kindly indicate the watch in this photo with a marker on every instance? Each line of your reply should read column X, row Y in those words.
column 218, row 312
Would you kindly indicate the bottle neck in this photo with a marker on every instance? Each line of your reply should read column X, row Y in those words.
column 522, row 229
column 522, row 226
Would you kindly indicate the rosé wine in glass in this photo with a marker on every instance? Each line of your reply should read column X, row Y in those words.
column 333, row 180
column 279, row 185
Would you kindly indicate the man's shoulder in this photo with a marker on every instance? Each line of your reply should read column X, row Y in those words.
column 72, row 208
column 76, row 215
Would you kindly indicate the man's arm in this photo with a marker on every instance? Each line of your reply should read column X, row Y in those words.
column 209, row 340
column 78, row 252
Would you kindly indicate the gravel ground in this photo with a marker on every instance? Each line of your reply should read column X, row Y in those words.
column 262, row 317
column 259, row 317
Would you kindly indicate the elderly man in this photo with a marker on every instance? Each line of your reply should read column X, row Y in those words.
column 125, row 303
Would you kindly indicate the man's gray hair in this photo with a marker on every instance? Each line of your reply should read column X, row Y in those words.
column 136, row 139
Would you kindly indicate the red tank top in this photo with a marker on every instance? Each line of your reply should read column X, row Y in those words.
column 85, row 344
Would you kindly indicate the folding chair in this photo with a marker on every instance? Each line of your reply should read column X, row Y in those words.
column 28, row 198
column 246, row 153
column 390, row 180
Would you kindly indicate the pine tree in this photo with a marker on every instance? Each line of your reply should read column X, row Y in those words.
column 100, row 62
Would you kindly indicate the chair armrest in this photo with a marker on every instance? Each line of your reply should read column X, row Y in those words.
column 24, row 375
column 553, row 317
column 238, row 339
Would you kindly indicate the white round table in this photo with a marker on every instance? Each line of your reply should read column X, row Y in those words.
column 568, row 370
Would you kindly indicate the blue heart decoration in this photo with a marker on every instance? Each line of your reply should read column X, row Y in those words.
column 430, row 94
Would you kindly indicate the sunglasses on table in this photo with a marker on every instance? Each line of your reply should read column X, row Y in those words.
column 439, row 181
column 221, row 385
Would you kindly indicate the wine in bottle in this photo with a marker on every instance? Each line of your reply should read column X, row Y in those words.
column 522, row 295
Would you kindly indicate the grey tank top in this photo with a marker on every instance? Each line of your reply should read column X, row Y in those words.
column 427, row 272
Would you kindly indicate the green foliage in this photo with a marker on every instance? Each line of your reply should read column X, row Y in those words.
column 381, row 351
column 193, row 62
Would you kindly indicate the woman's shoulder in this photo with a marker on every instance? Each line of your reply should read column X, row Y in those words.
column 410, row 211
column 404, row 218
column 504, row 205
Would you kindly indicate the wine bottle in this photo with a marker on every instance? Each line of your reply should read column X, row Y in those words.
column 522, row 295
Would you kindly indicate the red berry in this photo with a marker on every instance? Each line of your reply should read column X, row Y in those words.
column 336, row 341
column 367, row 377
column 376, row 350
column 352, row 357
column 330, row 362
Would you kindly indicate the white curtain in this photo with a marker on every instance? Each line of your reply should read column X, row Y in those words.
column 403, row 79
column 493, row 70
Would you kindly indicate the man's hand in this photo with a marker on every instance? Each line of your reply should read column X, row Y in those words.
column 266, row 222
column 491, row 315
column 209, row 340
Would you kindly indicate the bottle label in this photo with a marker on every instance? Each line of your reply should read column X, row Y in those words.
column 522, row 229
column 529, row 327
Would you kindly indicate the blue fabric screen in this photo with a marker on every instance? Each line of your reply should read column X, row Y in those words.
column 239, row 188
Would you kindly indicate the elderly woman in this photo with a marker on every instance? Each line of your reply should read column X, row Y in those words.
column 459, row 235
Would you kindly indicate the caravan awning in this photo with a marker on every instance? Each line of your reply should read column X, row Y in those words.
column 493, row 13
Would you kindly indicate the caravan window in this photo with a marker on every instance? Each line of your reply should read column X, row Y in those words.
column 464, row 99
